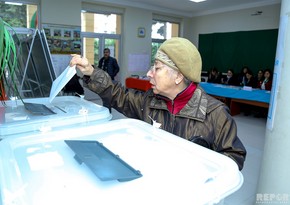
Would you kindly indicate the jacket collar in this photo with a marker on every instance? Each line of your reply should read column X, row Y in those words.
column 175, row 105
column 195, row 108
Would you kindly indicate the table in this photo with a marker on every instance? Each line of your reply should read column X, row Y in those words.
column 233, row 96
column 138, row 83
column 39, row 168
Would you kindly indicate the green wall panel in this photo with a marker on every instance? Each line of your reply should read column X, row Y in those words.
column 255, row 49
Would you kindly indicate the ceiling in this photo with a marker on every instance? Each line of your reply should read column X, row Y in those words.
column 187, row 8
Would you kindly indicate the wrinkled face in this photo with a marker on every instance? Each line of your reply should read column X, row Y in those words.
column 162, row 78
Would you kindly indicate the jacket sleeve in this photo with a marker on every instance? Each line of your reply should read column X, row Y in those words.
column 116, row 67
column 100, row 63
column 129, row 102
column 226, row 140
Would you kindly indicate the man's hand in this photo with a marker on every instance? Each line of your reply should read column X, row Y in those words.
column 82, row 64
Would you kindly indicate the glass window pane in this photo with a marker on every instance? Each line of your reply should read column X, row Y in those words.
column 164, row 30
column 101, row 23
column 154, row 48
column 19, row 15
column 113, row 45
column 161, row 31
column 91, row 47
column 158, row 30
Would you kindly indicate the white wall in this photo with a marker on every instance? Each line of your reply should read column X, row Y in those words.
column 63, row 12
column 67, row 12
column 131, row 43
column 186, row 30
column 240, row 20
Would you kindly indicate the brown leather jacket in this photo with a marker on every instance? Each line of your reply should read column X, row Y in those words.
column 202, row 116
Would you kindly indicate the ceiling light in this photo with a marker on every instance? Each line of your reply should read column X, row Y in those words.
column 13, row 3
column 197, row 1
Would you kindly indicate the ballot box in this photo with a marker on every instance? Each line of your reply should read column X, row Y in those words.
column 39, row 115
column 123, row 161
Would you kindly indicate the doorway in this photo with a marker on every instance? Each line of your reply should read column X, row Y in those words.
column 94, row 44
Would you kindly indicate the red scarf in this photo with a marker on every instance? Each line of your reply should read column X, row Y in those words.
column 181, row 99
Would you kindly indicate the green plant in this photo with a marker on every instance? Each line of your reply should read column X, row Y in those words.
column 8, row 61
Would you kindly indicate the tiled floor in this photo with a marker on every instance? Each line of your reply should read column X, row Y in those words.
column 251, row 131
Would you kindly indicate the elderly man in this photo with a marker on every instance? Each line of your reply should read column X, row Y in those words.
column 176, row 101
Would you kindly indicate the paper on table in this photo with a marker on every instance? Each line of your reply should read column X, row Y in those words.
column 61, row 81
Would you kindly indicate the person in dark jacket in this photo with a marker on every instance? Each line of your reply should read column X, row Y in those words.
column 230, row 78
column 109, row 64
column 176, row 102
column 242, row 78
column 214, row 76
column 267, row 82
column 259, row 78
column 250, row 80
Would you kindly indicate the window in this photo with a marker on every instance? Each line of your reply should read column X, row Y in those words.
column 100, row 31
column 101, row 23
column 19, row 15
column 162, row 30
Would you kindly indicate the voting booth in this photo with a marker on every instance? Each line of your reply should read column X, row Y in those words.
column 122, row 161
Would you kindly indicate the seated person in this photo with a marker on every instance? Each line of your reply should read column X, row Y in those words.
column 230, row 79
column 259, row 78
column 242, row 76
column 250, row 80
column 214, row 76
column 267, row 83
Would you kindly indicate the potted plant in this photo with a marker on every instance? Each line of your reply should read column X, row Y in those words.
column 8, row 62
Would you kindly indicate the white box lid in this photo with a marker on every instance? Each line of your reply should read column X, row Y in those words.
column 40, row 168
column 70, row 111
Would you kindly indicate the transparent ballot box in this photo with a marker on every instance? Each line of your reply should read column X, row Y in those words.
column 38, row 114
column 129, row 162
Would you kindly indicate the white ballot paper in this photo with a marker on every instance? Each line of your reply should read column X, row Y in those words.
column 61, row 81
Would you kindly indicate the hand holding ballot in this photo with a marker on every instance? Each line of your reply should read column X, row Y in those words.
column 59, row 83
column 82, row 64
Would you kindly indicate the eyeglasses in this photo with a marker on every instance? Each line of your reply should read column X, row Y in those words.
column 156, row 67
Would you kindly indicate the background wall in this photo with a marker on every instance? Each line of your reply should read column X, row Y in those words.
column 131, row 43
column 67, row 12
column 237, row 38
column 64, row 12
column 239, row 20
column 235, row 50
